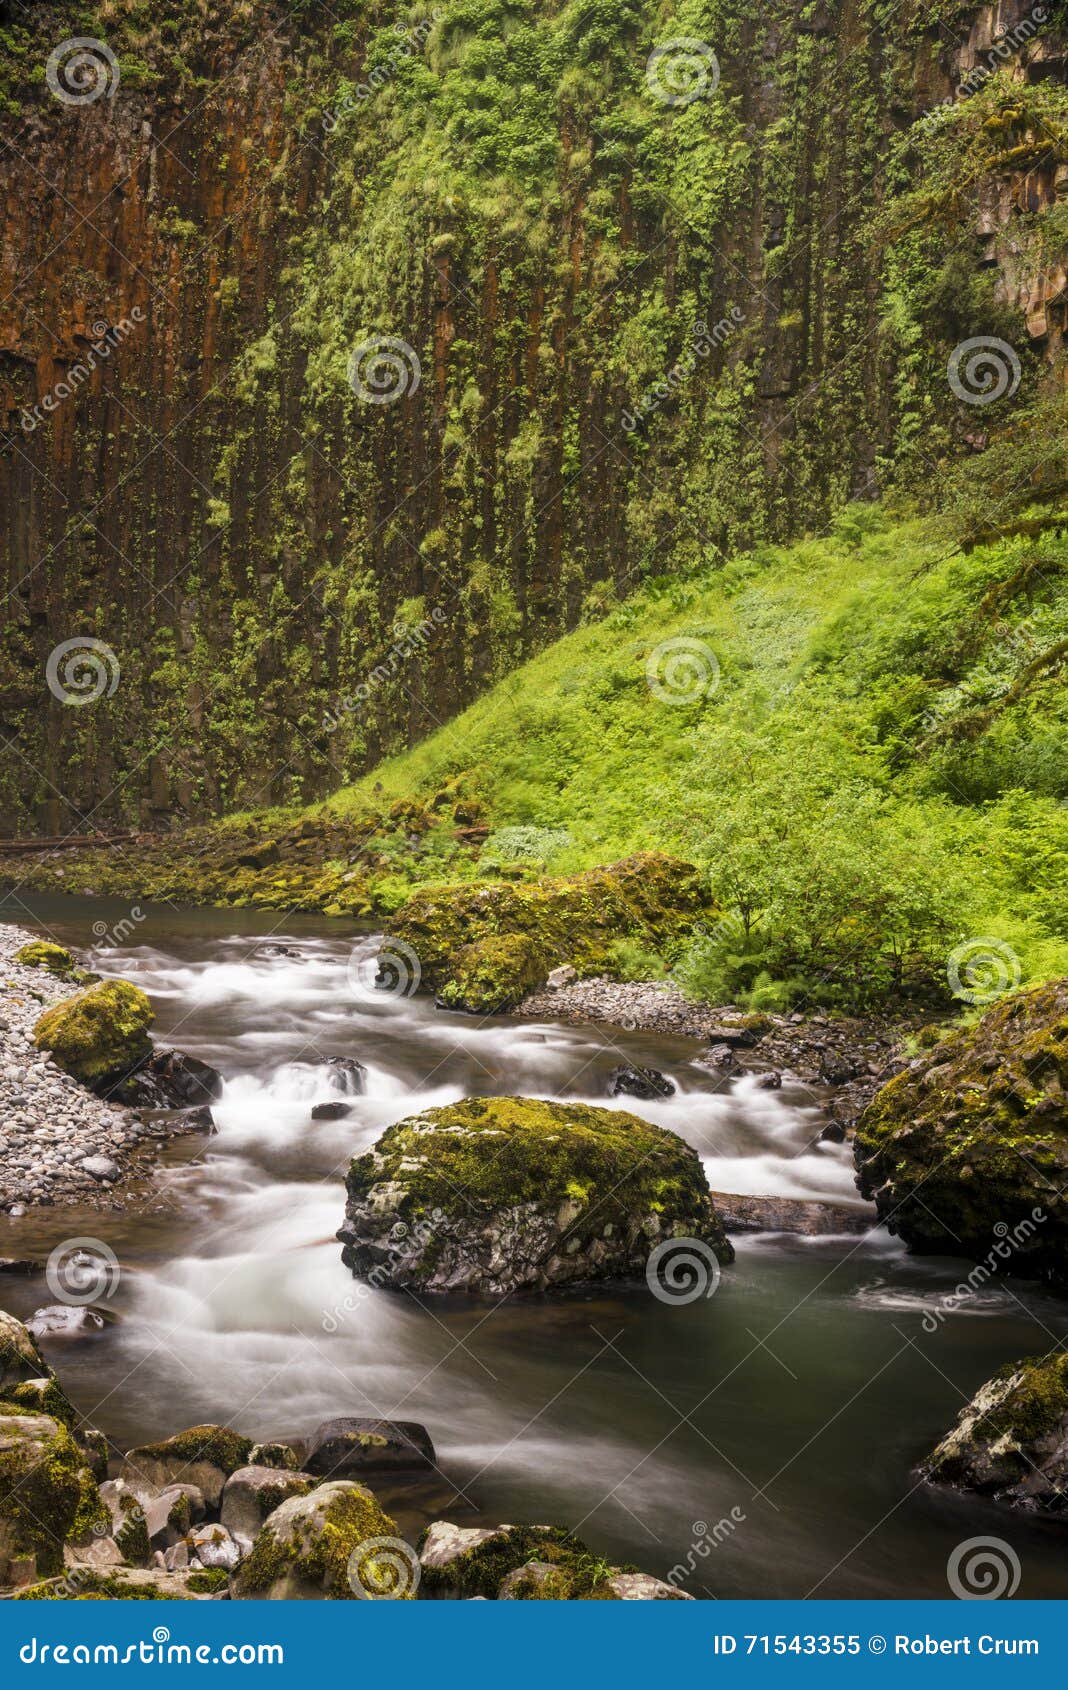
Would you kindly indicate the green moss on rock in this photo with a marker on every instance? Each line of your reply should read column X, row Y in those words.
column 651, row 898
column 507, row 1193
column 40, row 953
column 98, row 1032
column 42, row 1489
column 306, row 1545
column 204, row 1456
column 493, row 975
column 1011, row 1441
column 966, row 1152
column 21, row 1360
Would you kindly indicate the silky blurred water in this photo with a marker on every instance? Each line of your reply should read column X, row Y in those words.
column 792, row 1405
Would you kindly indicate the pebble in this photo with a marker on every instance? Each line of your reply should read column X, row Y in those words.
column 59, row 1143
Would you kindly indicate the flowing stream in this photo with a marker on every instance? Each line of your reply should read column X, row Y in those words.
column 762, row 1440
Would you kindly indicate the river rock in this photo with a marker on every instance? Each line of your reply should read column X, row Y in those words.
column 42, row 1487
column 170, row 1516
column 809, row 1217
column 574, row 920
column 169, row 1079
column 1011, row 1441
column 512, row 1563
column 647, row 1083
column 203, row 1456
column 62, row 1320
column 41, row 953
column 642, row 1587
column 274, row 1455
column 98, row 1033
column 307, row 1549
column 353, row 1448
column 501, row 1194
column 493, row 974
column 347, row 1075
column 966, row 1151
column 213, row 1546
column 331, row 1111
column 252, row 1493
column 20, row 1358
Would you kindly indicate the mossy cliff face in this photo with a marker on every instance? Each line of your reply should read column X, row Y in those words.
column 99, row 1032
column 503, row 1194
column 635, row 331
column 1011, row 1441
column 966, row 1152
column 485, row 945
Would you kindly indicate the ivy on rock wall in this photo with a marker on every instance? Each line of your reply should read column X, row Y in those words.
column 457, row 322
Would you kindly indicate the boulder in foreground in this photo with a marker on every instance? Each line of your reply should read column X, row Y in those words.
column 334, row 1543
column 502, row 1194
column 966, row 1152
column 527, row 1563
column 1011, row 1441
column 100, row 1032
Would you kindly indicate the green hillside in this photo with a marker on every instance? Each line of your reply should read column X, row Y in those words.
column 860, row 740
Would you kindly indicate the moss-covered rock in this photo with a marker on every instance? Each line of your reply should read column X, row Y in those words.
column 54, row 959
column 501, row 1194
column 513, row 1563
column 323, row 1545
column 203, row 1456
column 253, row 1493
column 42, row 1491
column 651, row 898
column 98, row 1032
column 1011, row 1441
column 43, row 1396
column 966, row 1152
column 20, row 1358
column 493, row 975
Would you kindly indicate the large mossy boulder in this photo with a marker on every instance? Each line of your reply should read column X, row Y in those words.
column 330, row 1543
column 204, row 1456
column 499, row 1194
column 1011, row 1441
column 455, row 931
column 99, row 1032
column 46, row 1494
column 966, row 1152
column 493, row 975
